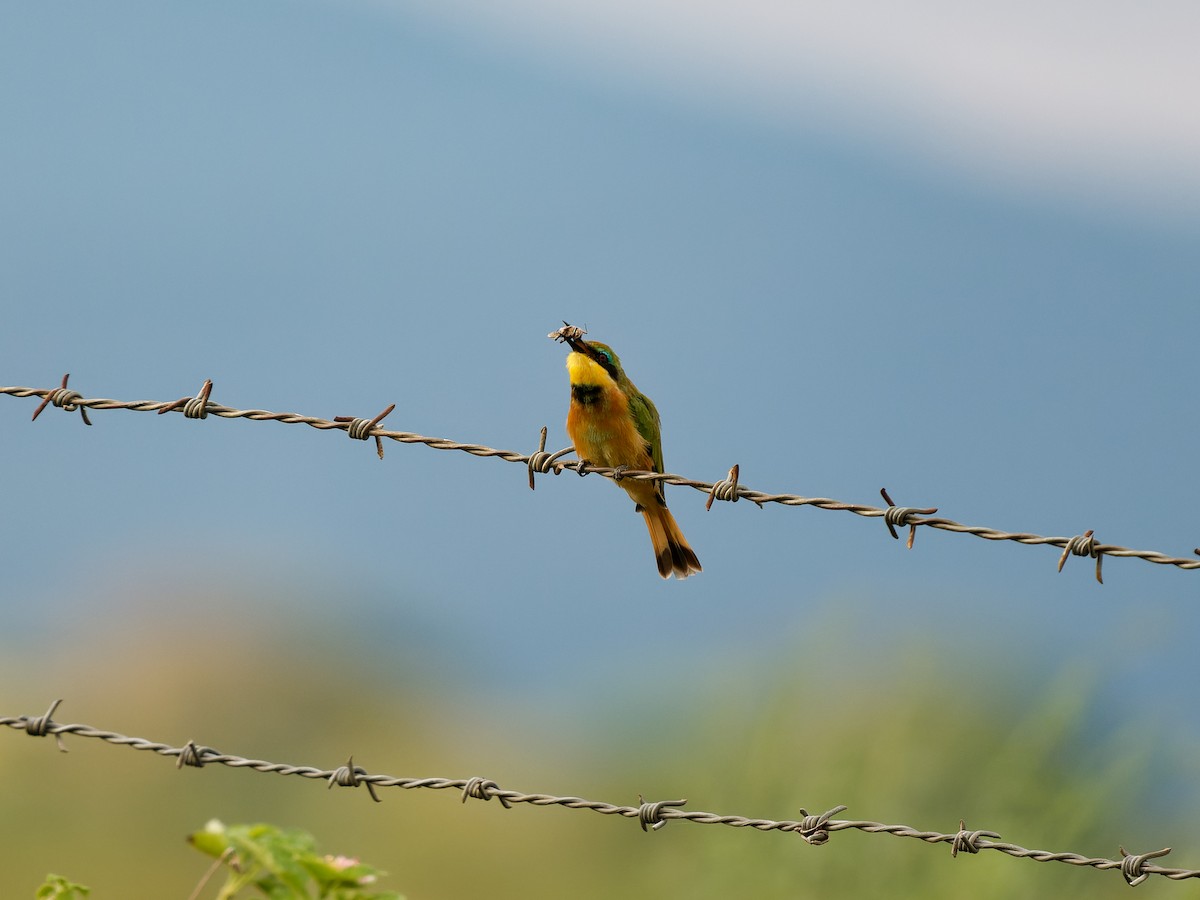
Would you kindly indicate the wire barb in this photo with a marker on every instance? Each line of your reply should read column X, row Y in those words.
column 350, row 775
column 192, row 755
column 193, row 407
column 1083, row 545
column 64, row 399
column 39, row 726
column 361, row 429
column 542, row 462
column 725, row 490
column 814, row 829
column 483, row 789
column 650, row 815
column 902, row 515
column 968, row 841
column 1132, row 865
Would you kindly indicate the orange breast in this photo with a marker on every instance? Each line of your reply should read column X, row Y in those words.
column 603, row 432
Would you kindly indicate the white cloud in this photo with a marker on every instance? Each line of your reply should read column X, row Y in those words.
column 1098, row 99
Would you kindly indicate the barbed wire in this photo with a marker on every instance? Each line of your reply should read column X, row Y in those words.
column 542, row 462
column 651, row 815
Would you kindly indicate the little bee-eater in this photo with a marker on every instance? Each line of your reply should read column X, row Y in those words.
column 614, row 424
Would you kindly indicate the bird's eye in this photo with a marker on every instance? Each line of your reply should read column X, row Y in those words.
column 607, row 356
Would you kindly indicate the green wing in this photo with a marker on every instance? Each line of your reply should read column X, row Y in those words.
column 645, row 417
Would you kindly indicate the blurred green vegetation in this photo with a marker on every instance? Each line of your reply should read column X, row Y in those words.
column 905, row 740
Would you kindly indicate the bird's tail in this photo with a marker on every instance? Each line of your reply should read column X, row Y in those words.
column 671, row 550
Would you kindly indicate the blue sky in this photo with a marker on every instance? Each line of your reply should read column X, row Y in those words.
column 327, row 208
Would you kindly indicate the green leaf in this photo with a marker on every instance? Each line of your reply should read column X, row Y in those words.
column 56, row 887
column 283, row 864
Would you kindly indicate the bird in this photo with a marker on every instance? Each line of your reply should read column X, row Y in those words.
column 613, row 424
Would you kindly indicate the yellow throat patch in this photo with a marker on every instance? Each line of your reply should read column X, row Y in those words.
column 585, row 370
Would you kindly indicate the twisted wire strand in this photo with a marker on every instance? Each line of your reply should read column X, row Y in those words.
column 724, row 490
column 813, row 829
